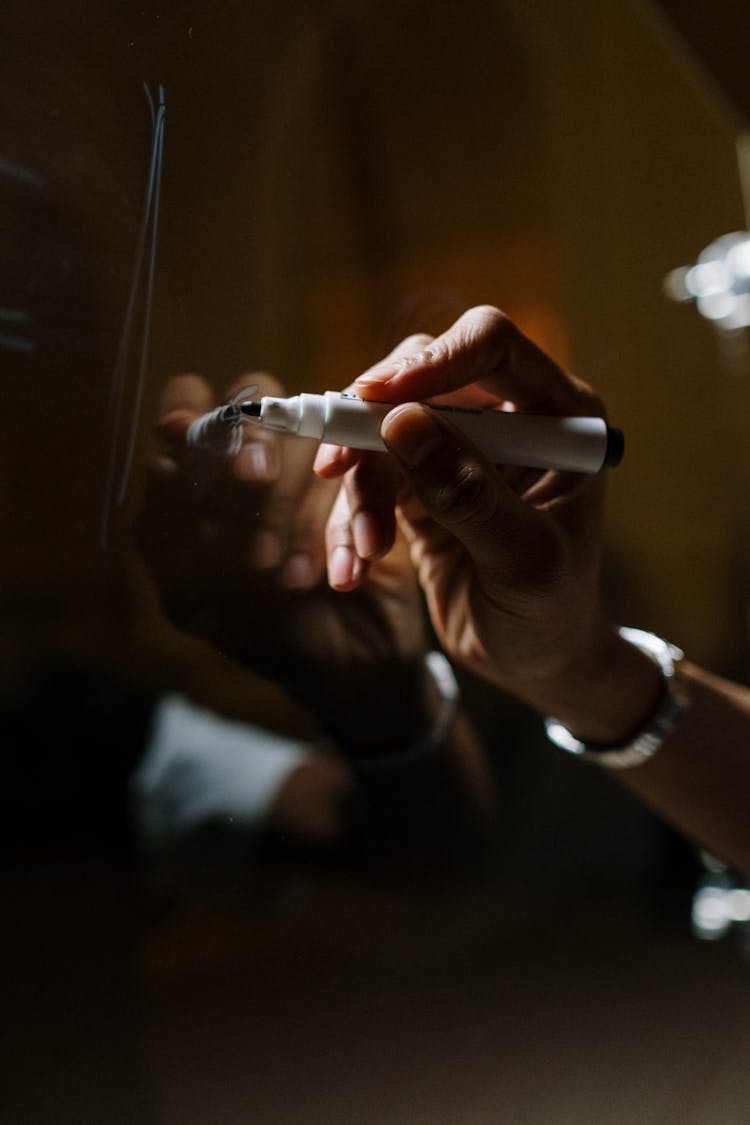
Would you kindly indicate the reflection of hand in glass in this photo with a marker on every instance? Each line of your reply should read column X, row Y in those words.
column 236, row 547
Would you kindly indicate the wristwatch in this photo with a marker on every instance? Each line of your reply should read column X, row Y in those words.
column 675, row 700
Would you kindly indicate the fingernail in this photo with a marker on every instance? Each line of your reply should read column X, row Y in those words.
column 298, row 572
column 380, row 373
column 412, row 434
column 267, row 550
column 368, row 540
column 344, row 568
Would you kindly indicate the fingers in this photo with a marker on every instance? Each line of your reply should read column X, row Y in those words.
column 305, row 561
column 483, row 346
column 263, row 499
column 334, row 460
column 345, row 568
column 290, row 524
column 509, row 541
column 282, row 503
column 184, row 398
column 371, row 488
column 362, row 525
column 188, row 392
column 258, row 459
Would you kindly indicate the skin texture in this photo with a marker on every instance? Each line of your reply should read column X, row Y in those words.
column 509, row 563
column 508, row 558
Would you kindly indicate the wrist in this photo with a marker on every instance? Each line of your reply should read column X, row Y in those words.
column 607, row 690
column 647, row 738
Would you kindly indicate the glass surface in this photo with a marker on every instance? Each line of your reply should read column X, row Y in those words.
column 211, row 915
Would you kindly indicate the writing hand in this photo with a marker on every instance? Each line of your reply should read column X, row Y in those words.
column 508, row 559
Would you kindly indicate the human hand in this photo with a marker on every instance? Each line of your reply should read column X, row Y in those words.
column 508, row 558
column 236, row 548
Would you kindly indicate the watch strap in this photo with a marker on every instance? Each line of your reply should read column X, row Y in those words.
column 674, row 701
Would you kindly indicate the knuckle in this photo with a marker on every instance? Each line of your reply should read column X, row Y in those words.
column 338, row 537
column 415, row 342
column 427, row 353
column 467, row 496
column 485, row 330
column 338, row 533
column 486, row 320
column 488, row 314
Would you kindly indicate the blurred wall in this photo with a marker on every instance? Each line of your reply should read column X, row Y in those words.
column 342, row 173
column 644, row 176
column 398, row 164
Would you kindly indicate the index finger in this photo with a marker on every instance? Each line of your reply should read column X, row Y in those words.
column 334, row 460
column 484, row 347
column 184, row 398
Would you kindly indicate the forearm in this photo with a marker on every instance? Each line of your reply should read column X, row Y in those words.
column 699, row 780
column 509, row 565
column 699, row 777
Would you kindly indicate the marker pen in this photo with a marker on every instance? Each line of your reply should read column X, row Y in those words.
column 581, row 445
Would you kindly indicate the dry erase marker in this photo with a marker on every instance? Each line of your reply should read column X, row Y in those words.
column 579, row 444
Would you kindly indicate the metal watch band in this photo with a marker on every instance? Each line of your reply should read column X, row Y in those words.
column 673, row 704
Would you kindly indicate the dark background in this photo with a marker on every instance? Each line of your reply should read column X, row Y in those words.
column 337, row 175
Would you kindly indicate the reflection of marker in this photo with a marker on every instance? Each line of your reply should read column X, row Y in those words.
column 581, row 445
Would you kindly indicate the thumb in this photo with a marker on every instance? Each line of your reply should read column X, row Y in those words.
column 509, row 541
